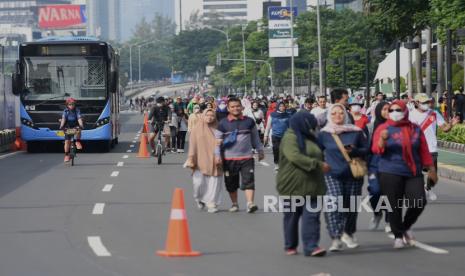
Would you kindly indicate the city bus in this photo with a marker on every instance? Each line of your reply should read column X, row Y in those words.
column 53, row 69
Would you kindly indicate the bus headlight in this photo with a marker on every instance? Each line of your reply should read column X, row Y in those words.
column 103, row 121
column 28, row 123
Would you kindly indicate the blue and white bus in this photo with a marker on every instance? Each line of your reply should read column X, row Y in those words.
column 52, row 69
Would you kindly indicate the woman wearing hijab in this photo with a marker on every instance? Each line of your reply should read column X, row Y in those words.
column 302, row 174
column 222, row 110
column 403, row 154
column 340, row 182
column 374, row 189
column 207, row 171
column 194, row 118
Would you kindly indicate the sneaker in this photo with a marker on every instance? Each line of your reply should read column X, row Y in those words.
column 211, row 208
column 409, row 239
column 276, row 168
column 387, row 228
column 78, row 145
column 67, row 158
column 234, row 208
column 200, row 205
column 431, row 195
column 178, row 151
column 350, row 241
column 181, row 151
column 318, row 252
column 291, row 252
column 374, row 222
column 336, row 245
column 399, row 243
column 251, row 207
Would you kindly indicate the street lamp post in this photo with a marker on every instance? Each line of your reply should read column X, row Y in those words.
column 226, row 33
column 140, row 46
column 398, row 69
column 243, row 57
column 449, row 73
column 292, row 50
column 320, row 59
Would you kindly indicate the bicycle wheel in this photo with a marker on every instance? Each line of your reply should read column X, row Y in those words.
column 72, row 153
column 159, row 154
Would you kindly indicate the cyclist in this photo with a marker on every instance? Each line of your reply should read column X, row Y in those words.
column 71, row 118
column 158, row 115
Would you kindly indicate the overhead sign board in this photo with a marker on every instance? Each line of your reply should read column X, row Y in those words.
column 61, row 16
column 283, row 52
column 279, row 24
column 281, row 13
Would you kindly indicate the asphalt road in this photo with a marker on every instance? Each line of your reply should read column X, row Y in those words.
column 61, row 220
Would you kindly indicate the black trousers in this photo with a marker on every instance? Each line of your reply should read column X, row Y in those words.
column 400, row 191
column 181, row 139
column 276, row 142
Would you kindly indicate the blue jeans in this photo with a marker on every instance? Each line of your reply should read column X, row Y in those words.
column 310, row 228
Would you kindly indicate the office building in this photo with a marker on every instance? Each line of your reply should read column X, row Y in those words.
column 103, row 19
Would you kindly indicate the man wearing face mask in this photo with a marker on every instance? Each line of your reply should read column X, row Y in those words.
column 429, row 120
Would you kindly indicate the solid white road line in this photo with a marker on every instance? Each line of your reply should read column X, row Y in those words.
column 120, row 164
column 129, row 151
column 425, row 247
column 125, row 156
column 98, row 209
column 9, row 154
column 97, row 246
column 114, row 174
column 430, row 248
column 107, row 188
column 263, row 163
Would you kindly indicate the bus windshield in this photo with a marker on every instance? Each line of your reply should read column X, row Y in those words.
column 56, row 77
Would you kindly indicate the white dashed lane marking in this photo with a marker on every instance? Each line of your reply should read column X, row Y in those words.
column 97, row 246
column 263, row 163
column 107, row 188
column 98, row 209
column 120, row 164
column 114, row 173
column 125, row 156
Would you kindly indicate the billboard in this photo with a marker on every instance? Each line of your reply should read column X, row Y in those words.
column 281, row 13
column 280, row 41
column 61, row 16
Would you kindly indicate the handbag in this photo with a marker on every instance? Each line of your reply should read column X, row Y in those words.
column 357, row 165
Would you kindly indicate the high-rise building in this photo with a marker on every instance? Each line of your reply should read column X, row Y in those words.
column 355, row 5
column 227, row 10
column 132, row 13
column 103, row 19
column 300, row 4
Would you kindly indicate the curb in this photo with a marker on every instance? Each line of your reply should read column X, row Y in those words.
column 451, row 172
column 452, row 146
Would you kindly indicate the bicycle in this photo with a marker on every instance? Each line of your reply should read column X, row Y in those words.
column 72, row 148
column 159, row 148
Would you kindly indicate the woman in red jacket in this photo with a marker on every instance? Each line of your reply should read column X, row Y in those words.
column 403, row 155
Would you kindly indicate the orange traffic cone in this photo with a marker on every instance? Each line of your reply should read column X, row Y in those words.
column 143, row 152
column 19, row 144
column 178, row 243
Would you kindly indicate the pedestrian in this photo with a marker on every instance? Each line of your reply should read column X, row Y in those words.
column 182, row 130
column 194, row 118
column 429, row 120
column 257, row 115
column 374, row 189
column 173, row 123
column 206, row 166
column 278, row 122
column 301, row 174
column 239, row 137
column 221, row 110
column 340, row 181
column 403, row 154
column 320, row 111
column 361, row 120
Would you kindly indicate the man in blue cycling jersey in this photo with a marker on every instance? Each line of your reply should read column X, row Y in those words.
column 71, row 118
